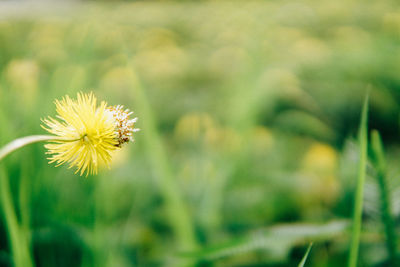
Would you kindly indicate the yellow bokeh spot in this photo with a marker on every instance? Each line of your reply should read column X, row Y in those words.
column 321, row 157
column 23, row 76
column 318, row 183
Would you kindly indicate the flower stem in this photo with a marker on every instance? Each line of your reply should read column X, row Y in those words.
column 21, row 142
column 19, row 242
column 176, row 208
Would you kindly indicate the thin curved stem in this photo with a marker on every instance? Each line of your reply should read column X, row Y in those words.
column 18, row 239
column 23, row 141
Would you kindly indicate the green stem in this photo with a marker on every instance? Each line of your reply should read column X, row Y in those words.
column 21, row 142
column 380, row 166
column 358, row 204
column 18, row 239
column 176, row 209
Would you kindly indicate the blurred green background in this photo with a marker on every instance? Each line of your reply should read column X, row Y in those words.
column 248, row 113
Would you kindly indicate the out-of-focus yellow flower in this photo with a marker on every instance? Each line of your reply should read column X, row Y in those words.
column 201, row 129
column 347, row 36
column 391, row 22
column 321, row 157
column 228, row 60
column 194, row 127
column 47, row 42
column 311, row 51
column 118, row 80
column 87, row 133
column 319, row 168
column 23, row 75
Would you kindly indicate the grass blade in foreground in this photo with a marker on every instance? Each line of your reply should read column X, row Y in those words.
column 358, row 203
column 178, row 214
column 18, row 242
column 275, row 242
column 303, row 261
column 380, row 166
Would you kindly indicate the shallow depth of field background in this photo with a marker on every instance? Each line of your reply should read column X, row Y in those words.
column 249, row 112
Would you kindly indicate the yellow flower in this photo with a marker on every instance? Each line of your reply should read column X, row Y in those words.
column 87, row 134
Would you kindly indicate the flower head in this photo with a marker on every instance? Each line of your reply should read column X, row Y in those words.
column 87, row 134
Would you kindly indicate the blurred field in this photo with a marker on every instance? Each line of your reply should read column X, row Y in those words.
column 249, row 112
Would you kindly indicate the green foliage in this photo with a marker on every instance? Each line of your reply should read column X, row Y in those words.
column 275, row 242
column 248, row 113
column 381, row 174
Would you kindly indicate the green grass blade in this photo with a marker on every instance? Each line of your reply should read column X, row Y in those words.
column 380, row 166
column 303, row 261
column 358, row 203
column 176, row 208
column 18, row 242
column 275, row 242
